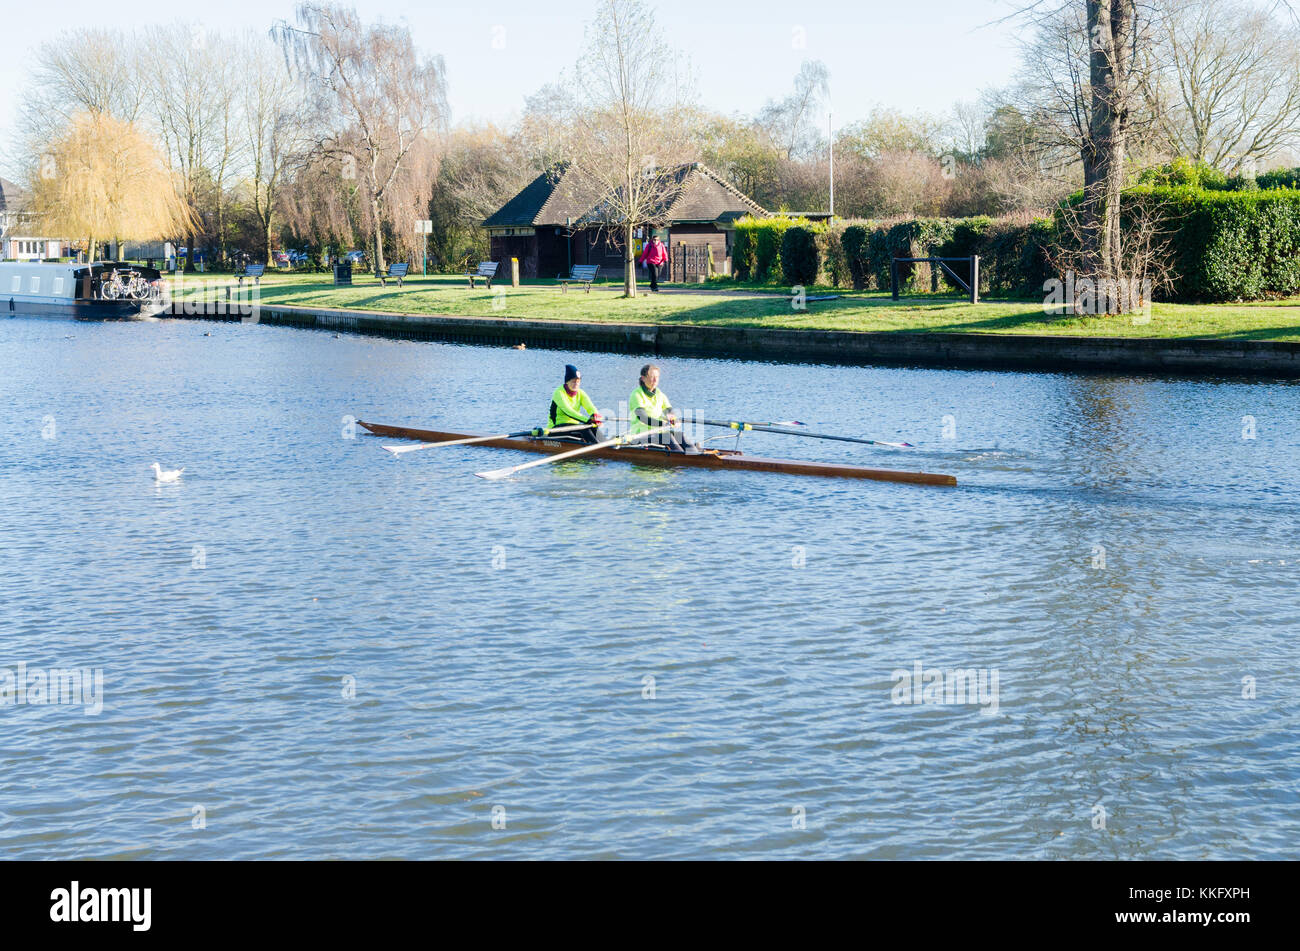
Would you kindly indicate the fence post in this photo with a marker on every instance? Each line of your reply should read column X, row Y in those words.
column 893, row 277
column 974, row 278
column 514, row 272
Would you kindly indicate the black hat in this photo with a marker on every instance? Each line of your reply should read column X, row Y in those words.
column 570, row 372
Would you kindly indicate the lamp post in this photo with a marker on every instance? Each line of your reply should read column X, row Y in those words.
column 830, row 146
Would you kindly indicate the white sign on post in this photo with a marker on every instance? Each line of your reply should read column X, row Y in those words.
column 424, row 227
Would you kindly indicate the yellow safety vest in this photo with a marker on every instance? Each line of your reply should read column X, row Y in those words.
column 569, row 410
column 655, row 406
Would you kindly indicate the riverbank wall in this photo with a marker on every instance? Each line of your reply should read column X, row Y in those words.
column 1148, row 355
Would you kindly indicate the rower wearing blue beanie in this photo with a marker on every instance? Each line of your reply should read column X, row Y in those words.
column 571, row 406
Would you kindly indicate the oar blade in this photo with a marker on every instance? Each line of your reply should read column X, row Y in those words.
column 497, row 473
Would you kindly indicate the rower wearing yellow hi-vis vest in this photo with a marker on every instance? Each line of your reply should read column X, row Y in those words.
column 570, row 406
column 648, row 408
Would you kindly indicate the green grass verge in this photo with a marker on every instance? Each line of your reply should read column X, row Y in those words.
column 749, row 307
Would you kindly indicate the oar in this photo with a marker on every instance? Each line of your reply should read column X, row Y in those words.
column 769, row 428
column 619, row 441
column 398, row 450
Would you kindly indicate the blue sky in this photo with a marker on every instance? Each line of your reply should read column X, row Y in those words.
column 908, row 56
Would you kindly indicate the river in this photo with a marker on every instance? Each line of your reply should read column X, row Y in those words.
column 309, row 649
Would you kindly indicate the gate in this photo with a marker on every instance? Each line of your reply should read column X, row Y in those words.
column 688, row 262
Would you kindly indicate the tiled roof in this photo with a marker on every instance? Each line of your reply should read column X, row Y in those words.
column 555, row 198
column 11, row 196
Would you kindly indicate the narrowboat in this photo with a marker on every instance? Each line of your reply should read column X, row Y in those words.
column 101, row 290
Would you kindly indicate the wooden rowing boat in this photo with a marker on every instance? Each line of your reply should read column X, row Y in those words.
column 708, row 459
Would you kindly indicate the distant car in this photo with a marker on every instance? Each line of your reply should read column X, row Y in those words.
column 282, row 258
column 354, row 257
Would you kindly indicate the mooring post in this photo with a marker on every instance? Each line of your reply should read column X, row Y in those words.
column 974, row 278
column 893, row 277
column 514, row 272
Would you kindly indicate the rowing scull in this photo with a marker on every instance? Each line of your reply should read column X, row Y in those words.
column 709, row 459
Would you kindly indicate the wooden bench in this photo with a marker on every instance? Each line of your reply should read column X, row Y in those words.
column 486, row 270
column 396, row 271
column 579, row 274
column 253, row 272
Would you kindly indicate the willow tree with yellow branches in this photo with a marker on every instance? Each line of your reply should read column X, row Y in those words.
column 102, row 178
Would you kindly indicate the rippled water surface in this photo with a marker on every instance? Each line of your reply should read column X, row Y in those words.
column 623, row 661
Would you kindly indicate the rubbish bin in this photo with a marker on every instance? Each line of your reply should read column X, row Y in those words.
column 343, row 274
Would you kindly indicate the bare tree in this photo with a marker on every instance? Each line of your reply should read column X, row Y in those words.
column 1227, row 85
column 94, row 71
column 186, row 97
column 890, row 131
column 544, row 130
column 896, row 184
column 627, row 118
column 1082, row 92
column 967, row 128
column 106, row 180
column 275, row 131
column 378, row 103
column 483, row 166
column 794, row 123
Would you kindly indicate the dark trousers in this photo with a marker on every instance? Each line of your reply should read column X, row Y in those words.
column 673, row 440
column 653, row 269
column 577, row 435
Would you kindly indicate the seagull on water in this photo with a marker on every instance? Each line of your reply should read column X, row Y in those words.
column 166, row 475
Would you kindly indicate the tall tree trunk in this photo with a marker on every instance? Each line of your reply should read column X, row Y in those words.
column 629, row 262
column 378, row 244
column 1110, row 29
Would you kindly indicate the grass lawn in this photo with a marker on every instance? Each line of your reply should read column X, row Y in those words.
column 750, row 307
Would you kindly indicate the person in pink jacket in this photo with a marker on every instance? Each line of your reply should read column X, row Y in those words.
column 654, row 256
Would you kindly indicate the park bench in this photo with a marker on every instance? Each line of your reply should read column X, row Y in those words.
column 396, row 271
column 486, row 270
column 579, row 274
column 252, row 272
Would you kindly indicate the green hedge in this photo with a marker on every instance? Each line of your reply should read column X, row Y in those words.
column 1279, row 178
column 1225, row 245
column 756, row 250
column 853, row 245
column 834, row 263
column 800, row 257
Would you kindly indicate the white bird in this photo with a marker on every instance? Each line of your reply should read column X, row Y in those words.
column 166, row 475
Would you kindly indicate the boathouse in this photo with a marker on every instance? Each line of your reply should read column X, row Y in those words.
column 553, row 224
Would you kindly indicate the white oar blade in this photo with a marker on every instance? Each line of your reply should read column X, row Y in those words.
column 398, row 450
column 497, row 473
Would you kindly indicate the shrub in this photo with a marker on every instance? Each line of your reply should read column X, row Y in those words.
column 742, row 250
column 1013, row 257
column 834, row 262
column 1184, row 171
column 1279, row 178
column 853, row 243
column 1229, row 245
column 756, row 251
column 800, row 260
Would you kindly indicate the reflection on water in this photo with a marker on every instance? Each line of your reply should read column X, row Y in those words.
column 631, row 660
